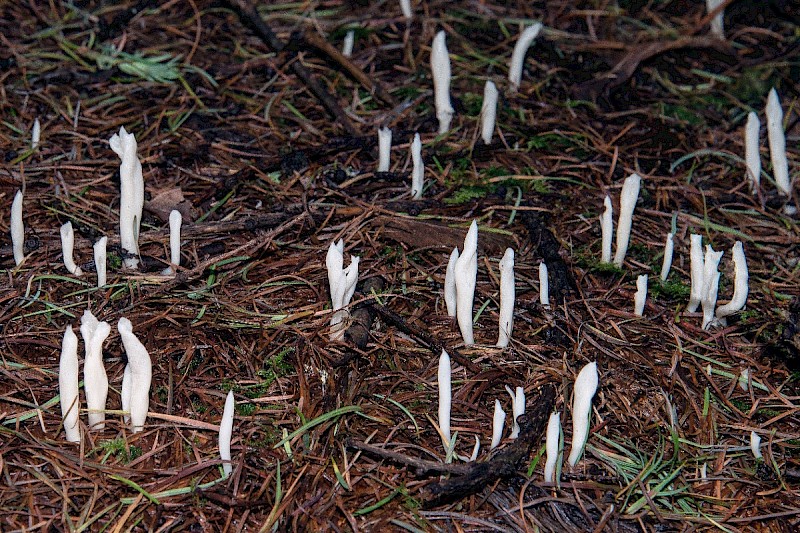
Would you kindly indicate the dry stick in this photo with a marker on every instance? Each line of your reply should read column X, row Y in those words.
column 421, row 466
column 505, row 463
column 250, row 17
column 317, row 41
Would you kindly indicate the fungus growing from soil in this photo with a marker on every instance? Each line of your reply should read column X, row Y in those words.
column 418, row 168
column 445, row 396
column 67, row 248
column 585, row 388
column 518, row 55
column 440, row 66
column 627, row 203
column 466, row 274
column 517, row 408
column 507, row 297
column 175, row 221
column 225, row 433
column 669, row 249
column 498, row 421
column 95, row 380
column 17, row 229
column 349, row 41
column 606, row 230
column 640, row 297
column 100, row 260
column 68, row 385
column 405, row 7
column 710, row 285
column 544, row 287
column 740, row 284
column 552, row 442
column 36, row 134
column 136, row 378
column 342, row 282
column 131, row 195
column 777, row 143
column 450, row 297
column 717, row 29
column 696, row 265
column 488, row 111
column 752, row 154
column 755, row 445
column 384, row 149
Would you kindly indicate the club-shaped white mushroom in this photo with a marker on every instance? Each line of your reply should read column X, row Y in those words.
column 640, row 297
column 606, row 230
column 627, row 203
column 405, row 7
column 131, row 194
column 418, row 168
column 755, row 445
column 225, row 433
column 488, row 111
column 777, row 143
column 710, row 285
column 68, row 385
column 36, row 134
column 740, row 284
column 669, row 249
column 466, row 273
column 498, row 421
column 384, row 149
column 175, row 221
column 717, row 29
column 342, row 282
column 67, row 248
column 697, row 266
column 349, row 40
column 517, row 408
column 137, row 376
column 752, row 155
column 507, row 297
column 100, row 260
column 585, row 388
column 544, row 285
column 450, row 284
column 440, row 66
column 445, row 396
column 17, row 229
column 518, row 55
column 95, row 380
column 552, row 442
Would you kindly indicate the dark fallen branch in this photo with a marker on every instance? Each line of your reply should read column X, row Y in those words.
column 547, row 246
column 250, row 17
column 504, row 464
column 421, row 467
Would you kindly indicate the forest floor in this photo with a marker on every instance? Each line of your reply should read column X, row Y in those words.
column 231, row 133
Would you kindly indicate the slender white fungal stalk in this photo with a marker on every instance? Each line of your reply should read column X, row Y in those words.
column 131, row 194
column 498, row 421
column 466, row 271
column 440, row 66
column 704, row 471
column 517, row 408
column 551, row 446
column 669, row 249
column 475, row 449
column 606, row 230
column 225, row 433
column 710, row 285
column 544, row 287
column 752, row 155
column 450, row 298
column 405, row 7
column 347, row 46
column 697, row 264
column 67, row 248
column 640, row 297
column 507, row 297
column 175, row 221
column 100, row 260
column 17, row 229
column 384, row 149
column 488, row 111
column 740, row 283
column 95, row 380
column 755, row 445
column 68, row 385
column 585, row 388
column 717, row 29
column 138, row 373
column 445, row 397
column 627, row 203
column 36, row 134
column 518, row 56
column 744, row 380
column 777, row 143
column 342, row 282
column 418, row 170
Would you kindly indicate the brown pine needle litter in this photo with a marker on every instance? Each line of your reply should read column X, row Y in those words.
column 252, row 124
